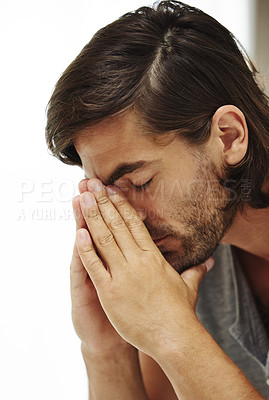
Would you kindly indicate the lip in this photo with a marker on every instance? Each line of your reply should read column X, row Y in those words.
column 160, row 240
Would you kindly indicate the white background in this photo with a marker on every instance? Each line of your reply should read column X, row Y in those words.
column 39, row 351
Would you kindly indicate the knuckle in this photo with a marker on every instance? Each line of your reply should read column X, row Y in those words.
column 86, row 250
column 105, row 239
column 143, row 259
column 94, row 263
column 92, row 214
column 135, row 222
column 117, row 223
column 113, row 293
column 103, row 200
column 121, row 201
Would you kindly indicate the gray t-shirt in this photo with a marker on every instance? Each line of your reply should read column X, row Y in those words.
column 227, row 310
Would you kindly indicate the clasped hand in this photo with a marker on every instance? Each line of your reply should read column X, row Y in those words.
column 144, row 298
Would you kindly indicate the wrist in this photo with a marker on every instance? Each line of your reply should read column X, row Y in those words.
column 123, row 349
column 176, row 344
column 194, row 363
column 108, row 363
column 100, row 358
column 115, row 374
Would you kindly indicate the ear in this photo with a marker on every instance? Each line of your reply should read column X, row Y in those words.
column 230, row 129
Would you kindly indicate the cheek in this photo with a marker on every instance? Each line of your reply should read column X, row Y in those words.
column 156, row 207
column 180, row 191
column 156, row 202
column 159, row 202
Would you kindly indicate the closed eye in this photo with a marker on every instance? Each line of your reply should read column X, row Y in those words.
column 140, row 188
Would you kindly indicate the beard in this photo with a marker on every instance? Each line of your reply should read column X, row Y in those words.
column 203, row 216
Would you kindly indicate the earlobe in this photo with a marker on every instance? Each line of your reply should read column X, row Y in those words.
column 231, row 127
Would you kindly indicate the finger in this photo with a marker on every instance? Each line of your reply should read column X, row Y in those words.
column 100, row 234
column 132, row 219
column 78, row 274
column 194, row 276
column 82, row 186
column 92, row 263
column 79, row 278
column 79, row 218
column 113, row 219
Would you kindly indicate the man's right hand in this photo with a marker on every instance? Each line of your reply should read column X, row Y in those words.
column 98, row 337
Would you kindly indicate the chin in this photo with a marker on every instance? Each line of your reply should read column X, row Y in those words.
column 174, row 259
column 181, row 261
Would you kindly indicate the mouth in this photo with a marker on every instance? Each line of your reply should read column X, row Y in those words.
column 159, row 241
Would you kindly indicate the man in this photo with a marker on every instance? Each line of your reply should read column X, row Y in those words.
column 164, row 115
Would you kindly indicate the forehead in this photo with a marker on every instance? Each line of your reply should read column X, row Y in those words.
column 114, row 141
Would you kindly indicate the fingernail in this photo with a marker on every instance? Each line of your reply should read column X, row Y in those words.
column 111, row 190
column 95, row 186
column 141, row 213
column 82, row 186
column 83, row 236
column 75, row 199
column 209, row 264
column 88, row 199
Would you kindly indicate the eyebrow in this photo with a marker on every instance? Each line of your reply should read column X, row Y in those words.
column 127, row 168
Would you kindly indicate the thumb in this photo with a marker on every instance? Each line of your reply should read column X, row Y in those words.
column 194, row 276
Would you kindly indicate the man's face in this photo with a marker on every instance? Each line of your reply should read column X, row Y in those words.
column 172, row 185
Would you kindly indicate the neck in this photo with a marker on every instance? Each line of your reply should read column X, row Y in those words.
column 250, row 232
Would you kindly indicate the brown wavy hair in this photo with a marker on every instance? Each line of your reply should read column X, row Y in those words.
column 175, row 66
